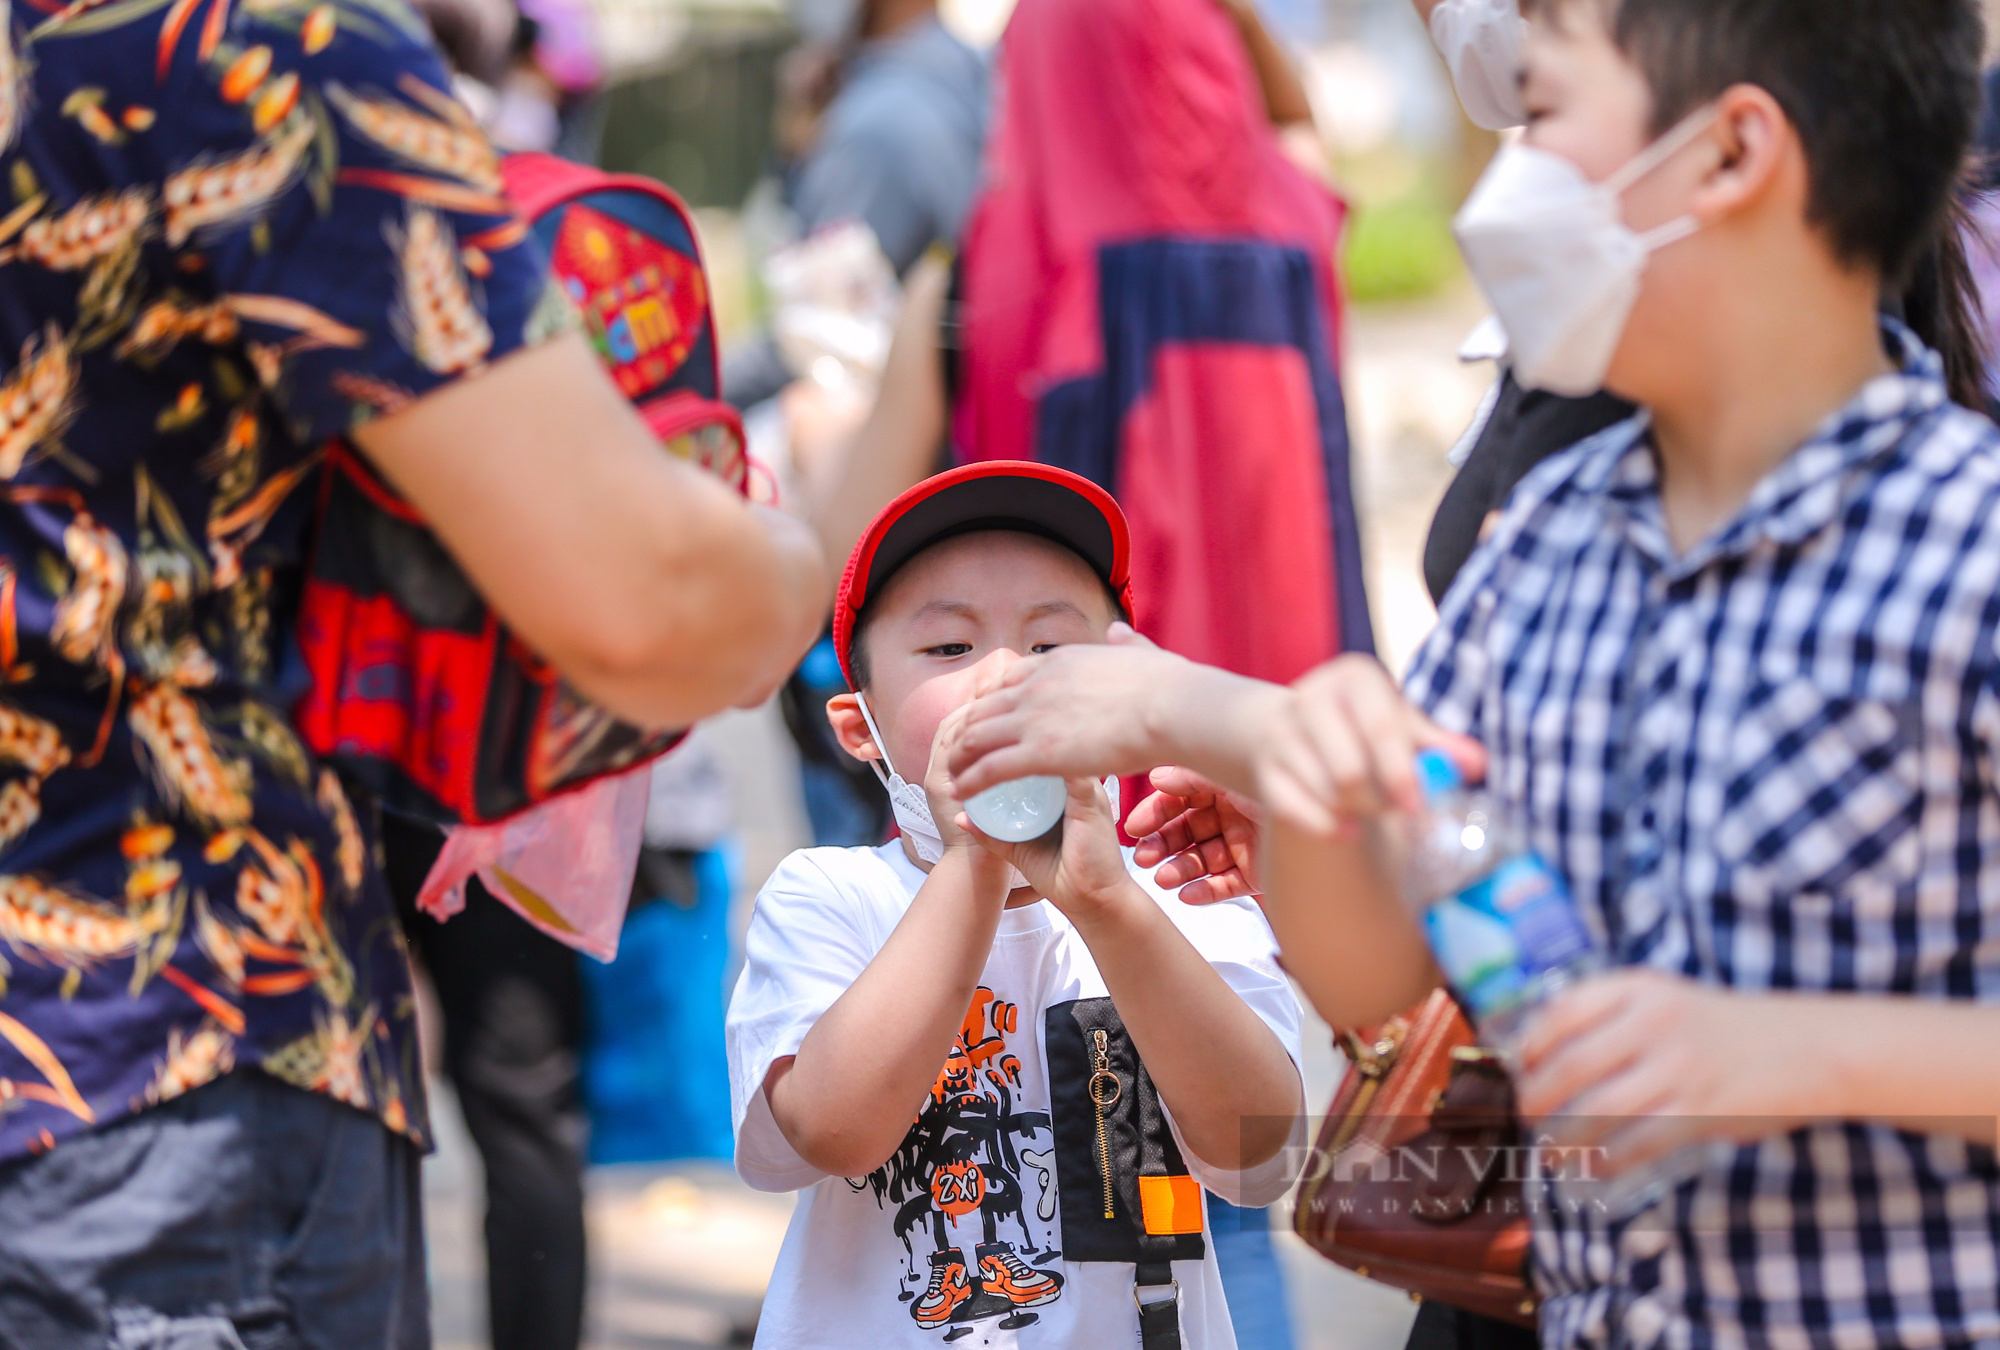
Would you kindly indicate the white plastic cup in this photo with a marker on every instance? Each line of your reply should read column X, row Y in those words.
column 1016, row 812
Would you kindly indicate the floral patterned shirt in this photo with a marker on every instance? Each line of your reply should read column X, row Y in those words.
column 229, row 230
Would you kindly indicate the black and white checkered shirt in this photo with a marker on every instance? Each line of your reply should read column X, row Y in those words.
column 1768, row 763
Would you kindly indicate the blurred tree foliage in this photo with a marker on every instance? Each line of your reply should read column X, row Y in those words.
column 1399, row 242
column 702, row 123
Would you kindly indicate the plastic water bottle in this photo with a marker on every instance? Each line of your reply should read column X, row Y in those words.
column 1500, row 920
column 1015, row 812
column 1507, row 935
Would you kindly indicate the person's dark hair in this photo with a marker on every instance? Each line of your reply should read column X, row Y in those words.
column 1941, row 306
column 1986, row 149
column 857, row 646
column 1885, row 95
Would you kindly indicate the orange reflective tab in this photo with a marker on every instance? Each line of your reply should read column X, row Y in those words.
column 1170, row 1204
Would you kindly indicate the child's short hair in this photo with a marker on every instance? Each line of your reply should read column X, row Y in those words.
column 1885, row 95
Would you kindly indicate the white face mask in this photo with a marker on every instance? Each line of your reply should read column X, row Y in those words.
column 1552, row 253
column 912, row 805
column 1481, row 43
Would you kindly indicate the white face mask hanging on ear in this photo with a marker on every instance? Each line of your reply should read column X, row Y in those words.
column 1552, row 253
column 912, row 805
column 1481, row 42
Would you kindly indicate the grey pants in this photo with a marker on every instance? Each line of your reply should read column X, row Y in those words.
column 247, row 1215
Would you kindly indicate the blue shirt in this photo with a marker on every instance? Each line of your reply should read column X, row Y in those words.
column 228, row 232
column 900, row 145
column 1767, row 764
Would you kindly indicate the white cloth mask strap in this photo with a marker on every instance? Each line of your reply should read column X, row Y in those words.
column 1678, row 138
column 876, row 764
column 1672, row 232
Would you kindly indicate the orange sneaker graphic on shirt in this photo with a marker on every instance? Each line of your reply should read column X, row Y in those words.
column 950, row 1286
column 1006, row 1274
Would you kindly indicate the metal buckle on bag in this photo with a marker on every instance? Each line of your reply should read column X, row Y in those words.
column 1144, row 1304
column 1373, row 1063
column 1374, row 1060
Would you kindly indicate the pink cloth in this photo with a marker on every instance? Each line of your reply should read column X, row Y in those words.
column 565, row 866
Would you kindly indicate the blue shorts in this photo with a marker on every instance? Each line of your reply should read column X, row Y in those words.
column 247, row 1215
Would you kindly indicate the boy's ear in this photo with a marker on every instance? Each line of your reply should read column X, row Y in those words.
column 1756, row 141
column 851, row 728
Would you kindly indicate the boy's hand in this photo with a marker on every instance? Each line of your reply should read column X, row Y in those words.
column 947, row 811
column 1342, row 749
column 1202, row 839
column 1640, row 1063
column 1079, row 866
column 1084, row 710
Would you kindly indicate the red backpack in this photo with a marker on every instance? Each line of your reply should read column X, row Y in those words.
column 417, row 689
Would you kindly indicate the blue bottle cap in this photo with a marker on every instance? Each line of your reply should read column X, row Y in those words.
column 1437, row 775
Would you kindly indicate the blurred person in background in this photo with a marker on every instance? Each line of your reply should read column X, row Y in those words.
column 532, row 73
column 558, row 65
column 881, row 122
column 880, row 126
column 510, row 1000
column 1516, row 427
column 1151, row 298
column 1148, row 295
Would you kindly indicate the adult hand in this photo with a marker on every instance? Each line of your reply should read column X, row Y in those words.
column 1639, row 1064
column 1202, row 839
column 821, row 420
column 1342, row 749
column 1081, row 711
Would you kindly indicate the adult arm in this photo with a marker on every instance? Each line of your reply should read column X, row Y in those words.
column 1331, row 761
column 353, row 293
column 899, row 443
column 1285, row 101
column 650, row 585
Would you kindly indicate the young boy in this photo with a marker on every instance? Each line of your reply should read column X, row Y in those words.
column 1735, row 665
column 1001, row 1075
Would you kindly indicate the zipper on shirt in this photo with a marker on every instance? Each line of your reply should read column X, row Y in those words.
column 1105, row 1090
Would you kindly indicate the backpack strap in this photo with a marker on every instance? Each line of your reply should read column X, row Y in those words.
column 1159, row 1317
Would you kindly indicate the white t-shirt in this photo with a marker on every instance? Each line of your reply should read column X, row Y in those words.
column 863, row 1256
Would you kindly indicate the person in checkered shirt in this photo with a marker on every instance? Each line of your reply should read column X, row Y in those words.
column 1734, row 664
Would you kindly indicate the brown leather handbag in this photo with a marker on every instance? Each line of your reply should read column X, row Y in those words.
column 1415, row 1179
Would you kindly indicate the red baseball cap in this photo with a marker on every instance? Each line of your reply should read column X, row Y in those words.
column 995, row 494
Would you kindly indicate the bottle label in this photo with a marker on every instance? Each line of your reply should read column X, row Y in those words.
column 1496, row 939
